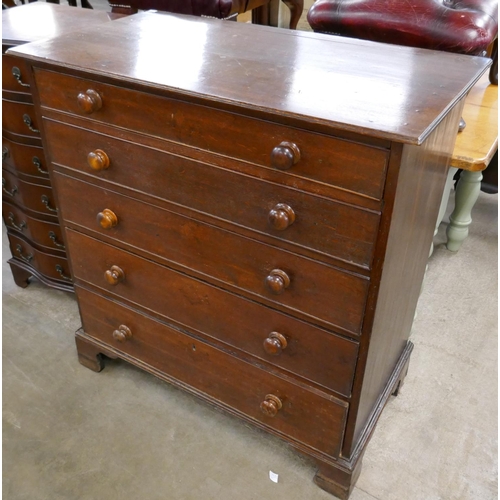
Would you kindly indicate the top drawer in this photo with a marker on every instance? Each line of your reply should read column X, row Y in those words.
column 14, row 75
column 347, row 165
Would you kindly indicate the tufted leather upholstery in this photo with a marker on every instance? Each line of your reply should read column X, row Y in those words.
column 465, row 26
column 212, row 8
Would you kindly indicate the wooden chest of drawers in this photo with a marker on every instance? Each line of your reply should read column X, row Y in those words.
column 250, row 220
column 29, row 210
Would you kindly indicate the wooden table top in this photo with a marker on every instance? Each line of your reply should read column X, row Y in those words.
column 40, row 20
column 379, row 90
column 477, row 144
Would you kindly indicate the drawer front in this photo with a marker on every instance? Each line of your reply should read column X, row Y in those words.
column 52, row 266
column 309, row 418
column 14, row 75
column 324, row 226
column 318, row 290
column 348, row 165
column 311, row 352
column 19, row 118
column 44, row 233
column 34, row 197
column 24, row 158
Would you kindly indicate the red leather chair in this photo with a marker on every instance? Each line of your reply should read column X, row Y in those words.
column 464, row 26
column 221, row 9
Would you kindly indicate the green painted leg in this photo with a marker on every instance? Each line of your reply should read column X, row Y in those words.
column 466, row 195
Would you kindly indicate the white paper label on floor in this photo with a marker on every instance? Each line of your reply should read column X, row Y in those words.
column 273, row 477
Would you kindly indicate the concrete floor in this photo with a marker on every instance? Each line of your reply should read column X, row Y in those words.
column 72, row 434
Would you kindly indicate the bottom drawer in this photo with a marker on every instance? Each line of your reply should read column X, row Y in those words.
column 50, row 266
column 311, row 418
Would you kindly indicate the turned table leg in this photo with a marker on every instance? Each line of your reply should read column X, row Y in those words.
column 466, row 195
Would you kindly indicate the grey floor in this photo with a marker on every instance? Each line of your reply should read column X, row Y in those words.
column 71, row 434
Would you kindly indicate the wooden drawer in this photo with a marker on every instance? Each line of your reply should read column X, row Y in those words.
column 19, row 118
column 215, row 374
column 321, row 225
column 11, row 66
column 24, row 158
column 52, row 266
column 312, row 353
column 44, row 233
column 315, row 289
column 348, row 165
column 32, row 196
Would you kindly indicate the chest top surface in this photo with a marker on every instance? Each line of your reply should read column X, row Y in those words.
column 37, row 21
column 385, row 91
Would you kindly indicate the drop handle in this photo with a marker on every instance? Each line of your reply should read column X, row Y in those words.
column 29, row 123
column 89, row 101
column 107, row 219
column 285, row 155
column 122, row 333
column 16, row 73
column 281, row 217
column 114, row 275
column 277, row 281
column 98, row 160
column 271, row 405
column 275, row 343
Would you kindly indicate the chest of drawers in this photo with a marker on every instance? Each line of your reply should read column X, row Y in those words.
column 254, row 235
column 28, row 206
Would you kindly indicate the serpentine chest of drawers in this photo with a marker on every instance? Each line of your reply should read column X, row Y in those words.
column 28, row 207
column 249, row 215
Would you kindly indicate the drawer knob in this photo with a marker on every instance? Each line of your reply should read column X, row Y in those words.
column 98, row 160
column 122, row 334
column 114, row 275
column 5, row 153
column 89, row 101
column 281, row 217
column 107, row 219
column 38, row 164
column 285, row 155
column 275, row 344
column 271, row 405
column 277, row 281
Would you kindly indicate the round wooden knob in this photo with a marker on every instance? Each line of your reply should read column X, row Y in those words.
column 114, row 275
column 122, row 334
column 98, row 160
column 281, row 216
column 271, row 405
column 277, row 281
column 89, row 101
column 107, row 219
column 275, row 343
column 285, row 155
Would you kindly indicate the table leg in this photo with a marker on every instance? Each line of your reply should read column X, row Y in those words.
column 466, row 195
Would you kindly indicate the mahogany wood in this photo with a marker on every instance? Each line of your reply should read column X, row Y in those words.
column 197, row 166
column 22, row 152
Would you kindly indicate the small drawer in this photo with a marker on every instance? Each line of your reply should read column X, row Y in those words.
column 54, row 267
column 317, row 290
column 24, row 158
column 15, row 75
column 39, row 232
column 25, row 194
column 319, row 224
column 276, row 404
column 311, row 352
column 19, row 118
column 348, row 165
